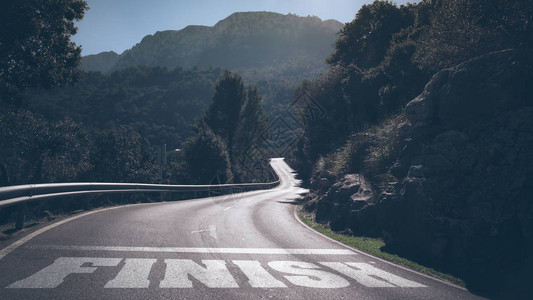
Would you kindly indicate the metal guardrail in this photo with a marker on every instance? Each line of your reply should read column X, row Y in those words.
column 22, row 194
column 13, row 195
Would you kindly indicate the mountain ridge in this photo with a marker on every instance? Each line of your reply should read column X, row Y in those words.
column 242, row 41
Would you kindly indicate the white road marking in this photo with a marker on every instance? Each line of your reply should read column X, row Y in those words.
column 53, row 275
column 308, row 275
column 198, row 250
column 134, row 274
column 367, row 275
column 214, row 275
column 198, row 231
column 258, row 277
column 212, row 231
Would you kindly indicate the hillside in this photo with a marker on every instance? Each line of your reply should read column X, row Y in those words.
column 101, row 62
column 161, row 105
column 425, row 140
column 243, row 41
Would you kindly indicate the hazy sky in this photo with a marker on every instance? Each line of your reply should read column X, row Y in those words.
column 118, row 25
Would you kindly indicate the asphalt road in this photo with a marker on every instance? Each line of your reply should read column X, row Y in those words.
column 243, row 246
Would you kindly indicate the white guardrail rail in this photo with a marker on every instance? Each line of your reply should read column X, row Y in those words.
column 22, row 194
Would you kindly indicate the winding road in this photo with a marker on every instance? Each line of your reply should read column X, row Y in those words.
column 240, row 246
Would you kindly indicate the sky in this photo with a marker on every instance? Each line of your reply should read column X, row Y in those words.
column 117, row 25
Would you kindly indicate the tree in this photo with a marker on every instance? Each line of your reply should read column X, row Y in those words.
column 365, row 40
column 122, row 155
column 252, row 124
column 37, row 151
column 67, row 156
column 463, row 29
column 207, row 158
column 252, row 121
column 222, row 116
column 23, row 136
column 35, row 46
column 231, row 126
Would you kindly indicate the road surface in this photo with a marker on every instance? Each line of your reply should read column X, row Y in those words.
column 242, row 246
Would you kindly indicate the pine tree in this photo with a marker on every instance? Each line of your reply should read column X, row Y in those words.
column 252, row 124
column 223, row 113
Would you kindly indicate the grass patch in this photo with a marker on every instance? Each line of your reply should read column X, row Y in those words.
column 373, row 247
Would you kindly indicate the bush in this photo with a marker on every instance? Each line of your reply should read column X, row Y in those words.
column 207, row 158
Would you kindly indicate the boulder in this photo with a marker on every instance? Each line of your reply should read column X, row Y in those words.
column 474, row 90
column 423, row 110
column 352, row 193
column 485, row 86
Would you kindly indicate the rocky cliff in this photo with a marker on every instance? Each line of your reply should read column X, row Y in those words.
column 460, row 191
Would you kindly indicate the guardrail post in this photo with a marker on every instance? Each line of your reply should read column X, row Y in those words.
column 21, row 215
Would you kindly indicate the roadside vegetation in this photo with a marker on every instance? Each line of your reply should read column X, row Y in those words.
column 374, row 246
column 417, row 99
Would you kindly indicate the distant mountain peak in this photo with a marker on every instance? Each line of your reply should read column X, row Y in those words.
column 242, row 40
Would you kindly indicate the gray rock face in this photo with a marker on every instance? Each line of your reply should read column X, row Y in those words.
column 485, row 86
column 466, row 199
column 474, row 90
column 423, row 110
column 351, row 195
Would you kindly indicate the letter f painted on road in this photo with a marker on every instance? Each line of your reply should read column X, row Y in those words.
column 53, row 275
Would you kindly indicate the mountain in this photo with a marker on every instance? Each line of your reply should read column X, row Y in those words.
column 242, row 42
column 103, row 62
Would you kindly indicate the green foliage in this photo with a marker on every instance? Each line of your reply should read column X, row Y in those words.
column 35, row 46
column 229, row 131
column 252, row 124
column 22, row 136
column 385, row 56
column 272, row 51
column 323, row 132
column 37, row 151
column 463, row 29
column 122, row 155
column 382, row 144
column 223, row 113
column 423, row 193
column 68, row 154
column 370, row 153
column 159, row 104
column 376, row 247
column 365, row 40
column 207, row 158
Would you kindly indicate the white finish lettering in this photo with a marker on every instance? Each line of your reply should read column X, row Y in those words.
column 366, row 275
column 258, row 277
column 214, row 275
column 134, row 274
column 53, row 275
column 308, row 275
